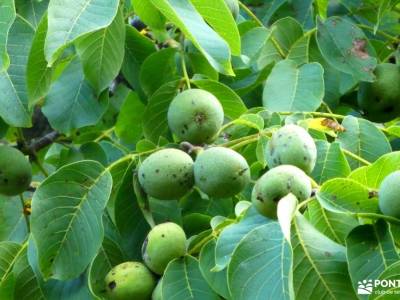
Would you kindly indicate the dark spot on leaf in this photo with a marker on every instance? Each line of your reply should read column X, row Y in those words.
column 328, row 254
column 358, row 203
column 5, row 180
column 359, row 48
column 305, row 158
column 112, row 285
column 157, row 171
column 163, row 235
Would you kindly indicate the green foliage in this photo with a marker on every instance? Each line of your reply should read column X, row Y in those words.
column 271, row 127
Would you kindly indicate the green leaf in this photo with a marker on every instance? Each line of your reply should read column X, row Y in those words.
column 149, row 14
column 32, row 10
column 370, row 250
column 137, row 48
column 346, row 48
column 391, row 273
column 286, row 32
column 84, row 16
column 155, row 116
column 29, row 286
column 157, row 69
column 345, row 195
column 218, row 16
column 9, row 253
column 38, row 74
column 373, row 175
column 13, row 225
column 208, row 42
column 364, row 139
column 299, row 51
column 322, row 8
column 130, row 119
column 7, row 17
column 102, row 53
column 183, row 280
column 335, row 226
column 231, row 103
column 319, row 266
column 331, row 162
column 287, row 207
column 297, row 88
column 71, row 103
column 233, row 234
column 66, row 218
column 261, row 264
column 129, row 219
column 253, row 42
column 217, row 280
column 14, row 100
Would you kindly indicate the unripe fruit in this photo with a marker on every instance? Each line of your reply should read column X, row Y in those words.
column 130, row 280
column 221, row 172
column 292, row 145
column 195, row 116
column 389, row 195
column 167, row 174
column 157, row 293
column 164, row 242
column 276, row 184
column 233, row 6
column 15, row 171
column 380, row 100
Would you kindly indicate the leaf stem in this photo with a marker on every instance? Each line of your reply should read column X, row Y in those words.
column 28, row 226
column 250, row 14
column 41, row 168
column 378, row 216
column 196, row 249
column 244, row 143
column 382, row 33
column 356, row 157
column 183, row 62
column 305, row 203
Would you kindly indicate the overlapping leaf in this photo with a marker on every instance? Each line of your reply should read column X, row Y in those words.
column 66, row 218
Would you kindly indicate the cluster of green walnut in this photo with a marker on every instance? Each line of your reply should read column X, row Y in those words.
column 136, row 280
column 15, row 171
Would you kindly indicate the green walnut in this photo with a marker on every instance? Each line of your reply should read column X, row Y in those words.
column 389, row 195
column 292, row 145
column 380, row 100
column 15, row 171
column 164, row 242
column 130, row 280
column 157, row 293
column 233, row 6
column 276, row 184
column 221, row 172
column 195, row 116
column 167, row 174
